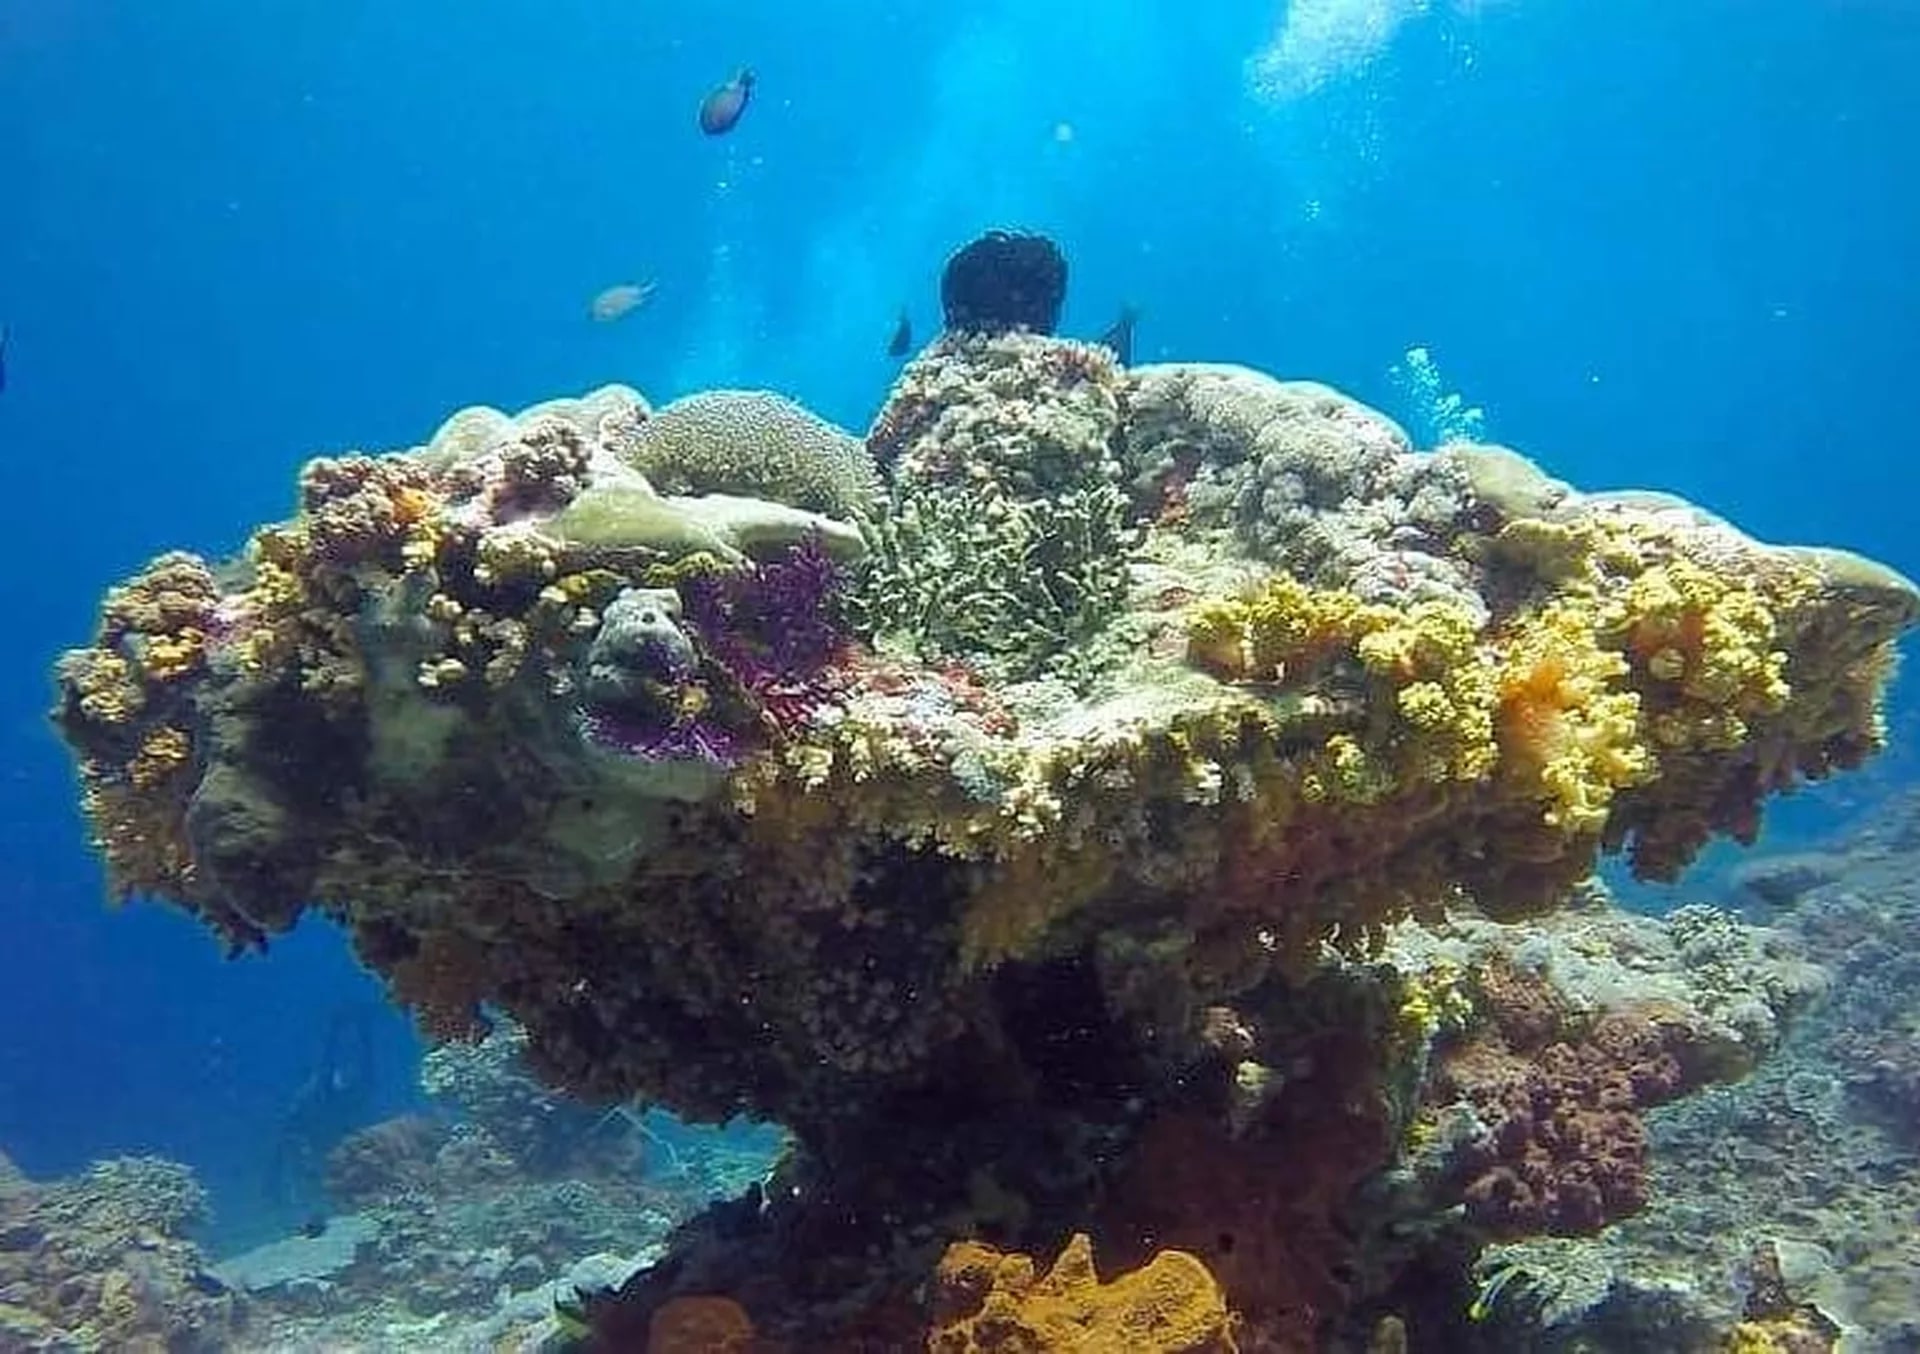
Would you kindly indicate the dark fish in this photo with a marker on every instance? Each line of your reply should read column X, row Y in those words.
column 573, row 1311
column 207, row 1285
column 1119, row 336
column 902, row 336
column 722, row 108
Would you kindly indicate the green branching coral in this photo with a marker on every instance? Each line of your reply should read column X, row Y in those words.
column 1006, row 535
column 1019, row 587
column 752, row 443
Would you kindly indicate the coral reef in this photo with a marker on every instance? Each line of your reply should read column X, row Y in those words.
column 1029, row 848
column 99, row 1262
column 1780, row 1207
column 483, row 1222
column 497, row 1099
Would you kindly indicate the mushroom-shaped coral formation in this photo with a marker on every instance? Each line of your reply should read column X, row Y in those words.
column 1052, row 837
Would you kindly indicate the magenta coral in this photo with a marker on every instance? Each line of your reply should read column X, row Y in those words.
column 681, row 739
column 774, row 627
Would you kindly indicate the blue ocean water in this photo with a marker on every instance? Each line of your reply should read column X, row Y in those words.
column 1655, row 244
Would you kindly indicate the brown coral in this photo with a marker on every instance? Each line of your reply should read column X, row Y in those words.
column 697, row 1325
column 1564, row 1148
column 986, row 1302
column 1258, row 1194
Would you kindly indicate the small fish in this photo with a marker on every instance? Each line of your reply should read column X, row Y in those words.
column 902, row 336
column 621, row 300
column 722, row 108
column 1119, row 335
column 570, row 1315
column 573, row 1309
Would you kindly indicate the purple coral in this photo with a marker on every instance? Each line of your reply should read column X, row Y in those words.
column 772, row 623
column 770, row 628
column 680, row 740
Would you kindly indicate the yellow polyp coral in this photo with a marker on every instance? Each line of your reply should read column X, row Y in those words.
column 1799, row 1333
column 1708, row 645
column 163, row 753
column 1435, row 999
column 167, row 658
column 103, row 686
column 989, row 1302
column 1569, row 730
column 1419, row 684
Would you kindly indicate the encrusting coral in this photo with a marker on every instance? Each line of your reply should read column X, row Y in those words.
column 988, row 1303
column 987, row 833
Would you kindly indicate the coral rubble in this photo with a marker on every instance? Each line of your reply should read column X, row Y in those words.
column 1024, row 838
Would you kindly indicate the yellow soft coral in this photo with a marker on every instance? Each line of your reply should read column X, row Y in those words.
column 1422, row 686
column 1706, row 643
column 1569, row 731
column 163, row 753
column 1798, row 1333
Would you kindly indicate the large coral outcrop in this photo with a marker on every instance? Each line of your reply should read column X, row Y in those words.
column 1048, row 813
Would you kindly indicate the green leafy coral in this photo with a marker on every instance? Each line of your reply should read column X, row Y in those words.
column 1020, row 586
column 1006, row 537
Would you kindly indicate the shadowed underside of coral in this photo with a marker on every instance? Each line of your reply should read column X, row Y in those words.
column 1021, row 827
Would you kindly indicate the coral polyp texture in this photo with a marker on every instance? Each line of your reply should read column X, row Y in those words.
column 1000, row 832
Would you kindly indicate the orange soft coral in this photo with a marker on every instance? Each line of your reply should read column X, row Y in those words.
column 1568, row 730
column 987, row 1302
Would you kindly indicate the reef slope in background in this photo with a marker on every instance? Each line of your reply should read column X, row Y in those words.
column 1011, row 805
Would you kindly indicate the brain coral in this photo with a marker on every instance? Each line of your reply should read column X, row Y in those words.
column 756, row 443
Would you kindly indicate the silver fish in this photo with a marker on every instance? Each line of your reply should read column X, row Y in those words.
column 621, row 300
